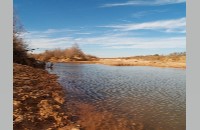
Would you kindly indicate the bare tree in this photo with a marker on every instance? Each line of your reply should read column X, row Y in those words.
column 75, row 51
column 19, row 46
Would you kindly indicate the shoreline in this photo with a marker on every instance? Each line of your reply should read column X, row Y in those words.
column 39, row 100
column 132, row 62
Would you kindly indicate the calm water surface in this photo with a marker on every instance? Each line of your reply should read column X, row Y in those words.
column 153, row 96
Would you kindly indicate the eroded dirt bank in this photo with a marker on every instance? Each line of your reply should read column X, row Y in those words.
column 38, row 101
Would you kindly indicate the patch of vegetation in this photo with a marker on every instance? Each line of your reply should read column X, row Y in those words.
column 172, row 57
column 74, row 53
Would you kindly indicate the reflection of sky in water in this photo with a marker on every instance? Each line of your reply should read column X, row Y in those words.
column 155, row 96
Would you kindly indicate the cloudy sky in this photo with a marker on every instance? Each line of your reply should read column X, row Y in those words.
column 105, row 28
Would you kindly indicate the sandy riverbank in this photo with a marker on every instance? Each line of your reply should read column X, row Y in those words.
column 143, row 62
column 134, row 62
column 38, row 101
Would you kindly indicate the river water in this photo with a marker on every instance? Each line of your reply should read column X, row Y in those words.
column 155, row 97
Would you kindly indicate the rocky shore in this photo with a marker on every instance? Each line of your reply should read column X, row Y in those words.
column 38, row 101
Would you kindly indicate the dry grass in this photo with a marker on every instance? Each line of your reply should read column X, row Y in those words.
column 158, row 61
column 174, row 60
column 177, row 61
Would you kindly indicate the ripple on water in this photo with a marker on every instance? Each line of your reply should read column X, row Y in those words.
column 153, row 96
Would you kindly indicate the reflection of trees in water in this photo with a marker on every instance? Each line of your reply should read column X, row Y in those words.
column 91, row 119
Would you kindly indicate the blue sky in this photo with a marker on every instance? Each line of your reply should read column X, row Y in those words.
column 105, row 28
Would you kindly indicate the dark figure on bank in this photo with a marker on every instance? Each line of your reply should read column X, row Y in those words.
column 50, row 65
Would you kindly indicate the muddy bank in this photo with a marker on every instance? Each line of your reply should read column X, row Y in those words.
column 38, row 101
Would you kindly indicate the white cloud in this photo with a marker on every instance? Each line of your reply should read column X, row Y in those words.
column 144, row 3
column 50, row 43
column 51, row 31
column 166, row 25
column 110, row 40
column 48, row 32
column 158, row 43
column 129, row 42
column 83, row 33
column 148, row 12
